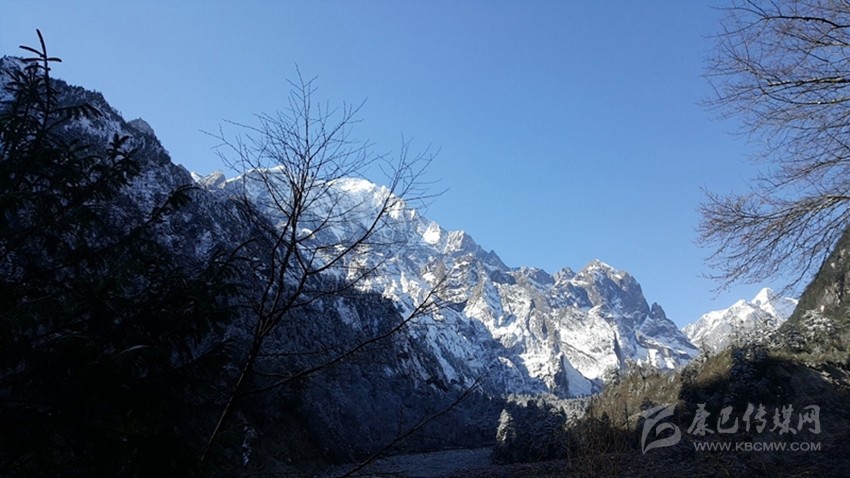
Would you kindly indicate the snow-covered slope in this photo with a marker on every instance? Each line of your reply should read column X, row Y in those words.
column 520, row 330
column 743, row 322
column 511, row 330
column 523, row 329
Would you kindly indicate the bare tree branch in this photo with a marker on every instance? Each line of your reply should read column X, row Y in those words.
column 782, row 68
column 318, row 242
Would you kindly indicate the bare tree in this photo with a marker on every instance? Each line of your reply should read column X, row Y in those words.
column 300, row 169
column 783, row 68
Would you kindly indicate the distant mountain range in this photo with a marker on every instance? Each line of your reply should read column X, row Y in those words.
column 510, row 330
column 523, row 329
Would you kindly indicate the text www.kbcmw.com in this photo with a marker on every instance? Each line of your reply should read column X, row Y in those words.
column 768, row 446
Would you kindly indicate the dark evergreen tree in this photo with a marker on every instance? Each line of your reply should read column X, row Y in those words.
column 109, row 345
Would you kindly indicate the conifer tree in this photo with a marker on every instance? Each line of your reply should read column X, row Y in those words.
column 109, row 344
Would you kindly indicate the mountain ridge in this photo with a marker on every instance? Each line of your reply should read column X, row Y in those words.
column 742, row 322
column 503, row 330
column 565, row 330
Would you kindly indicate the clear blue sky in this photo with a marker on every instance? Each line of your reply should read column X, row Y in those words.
column 567, row 130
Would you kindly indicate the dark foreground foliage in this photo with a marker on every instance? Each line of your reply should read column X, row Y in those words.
column 107, row 343
column 610, row 439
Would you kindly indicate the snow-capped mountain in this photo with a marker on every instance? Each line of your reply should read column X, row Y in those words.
column 520, row 329
column 525, row 330
column 508, row 329
column 743, row 322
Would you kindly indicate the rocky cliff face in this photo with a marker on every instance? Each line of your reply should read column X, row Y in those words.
column 821, row 323
column 521, row 330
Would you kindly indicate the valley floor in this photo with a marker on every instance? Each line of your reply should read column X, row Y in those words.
column 477, row 464
column 422, row 465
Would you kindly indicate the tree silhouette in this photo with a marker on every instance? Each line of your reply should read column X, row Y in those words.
column 319, row 244
column 108, row 343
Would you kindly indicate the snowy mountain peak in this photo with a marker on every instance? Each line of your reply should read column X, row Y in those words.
column 764, row 296
column 214, row 180
column 510, row 330
column 599, row 265
column 777, row 305
column 527, row 330
column 564, row 275
column 744, row 321
column 599, row 269
column 433, row 233
column 539, row 276
column 359, row 185
column 459, row 242
column 657, row 311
